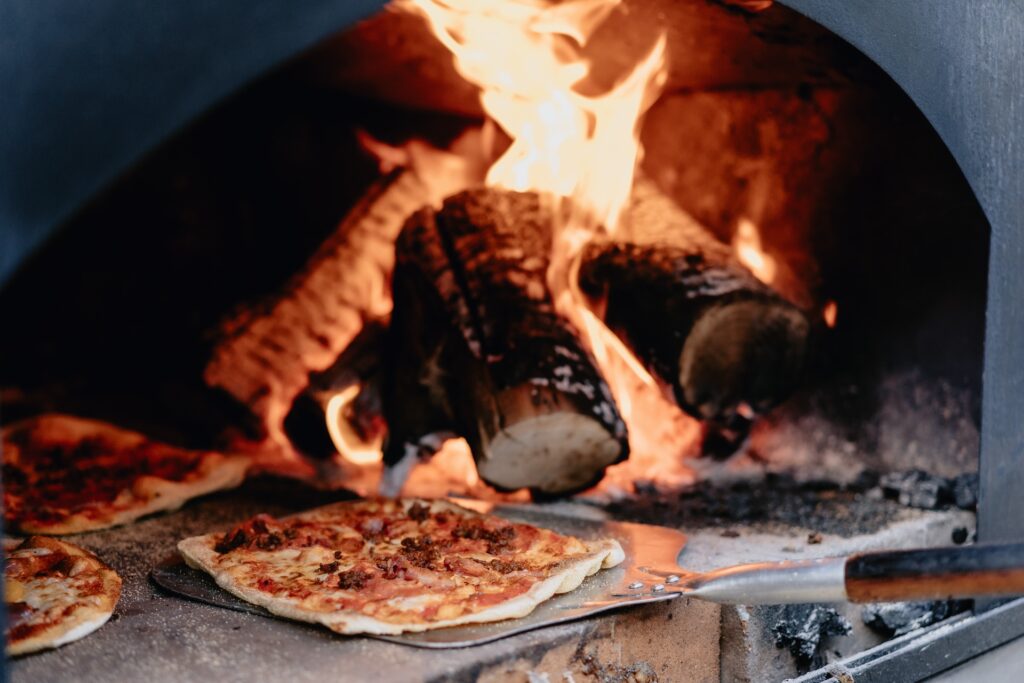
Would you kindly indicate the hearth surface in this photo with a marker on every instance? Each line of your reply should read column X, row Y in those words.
column 157, row 637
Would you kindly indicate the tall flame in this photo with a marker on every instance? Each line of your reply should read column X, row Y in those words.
column 526, row 56
column 579, row 152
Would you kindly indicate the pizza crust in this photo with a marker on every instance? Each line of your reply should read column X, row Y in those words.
column 199, row 553
column 80, row 614
column 147, row 495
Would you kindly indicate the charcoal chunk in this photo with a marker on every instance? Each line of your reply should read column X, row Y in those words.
column 918, row 489
column 801, row 629
column 896, row 618
column 965, row 491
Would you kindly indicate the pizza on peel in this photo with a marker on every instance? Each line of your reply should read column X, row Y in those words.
column 54, row 592
column 66, row 475
column 394, row 566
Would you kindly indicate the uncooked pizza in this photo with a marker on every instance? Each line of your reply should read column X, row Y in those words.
column 64, row 475
column 55, row 593
column 392, row 566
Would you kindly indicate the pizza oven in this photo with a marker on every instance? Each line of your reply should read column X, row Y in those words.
column 793, row 333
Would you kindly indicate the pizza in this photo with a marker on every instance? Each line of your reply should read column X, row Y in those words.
column 393, row 566
column 65, row 475
column 55, row 593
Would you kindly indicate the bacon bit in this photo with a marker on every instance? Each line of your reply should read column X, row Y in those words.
column 337, row 554
column 329, row 568
column 418, row 512
column 353, row 579
column 255, row 531
column 456, row 565
column 392, row 568
column 498, row 540
column 231, row 540
column 421, row 552
column 506, row 566
column 269, row 542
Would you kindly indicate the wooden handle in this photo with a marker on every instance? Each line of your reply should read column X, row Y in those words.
column 936, row 573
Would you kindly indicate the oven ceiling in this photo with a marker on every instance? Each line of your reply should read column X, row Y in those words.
column 89, row 87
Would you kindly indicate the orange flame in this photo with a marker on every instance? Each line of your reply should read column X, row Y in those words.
column 578, row 151
column 747, row 242
column 345, row 439
column 830, row 312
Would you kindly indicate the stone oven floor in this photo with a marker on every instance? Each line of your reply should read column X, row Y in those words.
column 157, row 637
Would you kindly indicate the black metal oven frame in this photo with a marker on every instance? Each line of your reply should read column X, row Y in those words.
column 89, row 87
column 963, row 65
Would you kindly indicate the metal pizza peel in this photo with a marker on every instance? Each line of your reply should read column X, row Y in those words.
column 648, row 574
column 651, row 573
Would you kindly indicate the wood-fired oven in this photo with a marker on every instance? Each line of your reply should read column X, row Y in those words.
column 802, row 339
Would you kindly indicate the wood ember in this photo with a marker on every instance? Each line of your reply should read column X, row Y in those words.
column 266, row 354
column 897, row 618
column 927, row 491
column 699, row 320
column 480, row 349
column 801, row 628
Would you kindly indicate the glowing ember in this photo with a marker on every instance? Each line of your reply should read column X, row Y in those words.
column 830, row 312
column 747, row 242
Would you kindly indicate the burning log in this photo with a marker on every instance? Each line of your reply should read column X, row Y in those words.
column 265, row 357
column 699, row 320
column 484, row 354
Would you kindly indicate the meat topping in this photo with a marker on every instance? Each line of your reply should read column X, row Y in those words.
column 418, row 512
column 329, row 568
column 353, row 579
column 498, row 540
column 421, row 552
column 392, row 568
column 506, row 566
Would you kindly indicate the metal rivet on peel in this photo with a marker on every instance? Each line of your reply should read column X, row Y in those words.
column 636, row 585
column 672, row 578
column 658, row 587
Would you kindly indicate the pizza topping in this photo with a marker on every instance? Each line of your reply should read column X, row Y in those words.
column 329, row 568
column 498, row 540
column 507, row 566
column 421, row 551
column 353, row 579
column 418, row 512
column 392, row 568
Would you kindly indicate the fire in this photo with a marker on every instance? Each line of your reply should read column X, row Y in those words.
column 830, row 312
column 747, row 242
column 344, row 437
column 578, row 151
column 526, row 56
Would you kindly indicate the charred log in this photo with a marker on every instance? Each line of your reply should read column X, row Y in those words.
column 265, row 356
column 698, row 319
column 485, row 354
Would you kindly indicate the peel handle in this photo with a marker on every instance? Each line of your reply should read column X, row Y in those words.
column 936, row 573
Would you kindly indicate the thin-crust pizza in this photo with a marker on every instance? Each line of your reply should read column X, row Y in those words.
column 66, row 475
column 394, row 566
column 55, row 593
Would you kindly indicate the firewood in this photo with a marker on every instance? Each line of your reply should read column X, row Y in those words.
column 264, row 357
column 484, row 353
column 696, row 317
